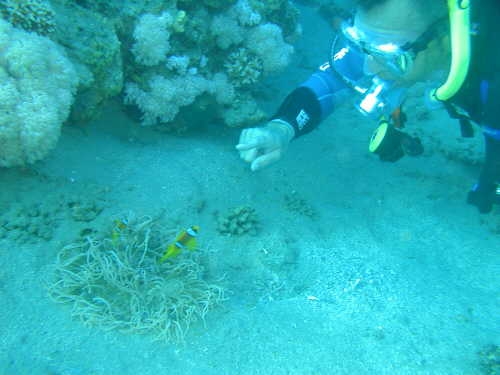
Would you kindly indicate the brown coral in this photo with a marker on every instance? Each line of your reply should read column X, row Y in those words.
column 30, row 15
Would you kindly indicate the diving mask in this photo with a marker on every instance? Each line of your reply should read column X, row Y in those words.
column 396, row 56
column 394, row 51
column 356, row 43
column 376, row 96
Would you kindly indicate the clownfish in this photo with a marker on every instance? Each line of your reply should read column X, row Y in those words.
column 184, row 240
column 119, row 226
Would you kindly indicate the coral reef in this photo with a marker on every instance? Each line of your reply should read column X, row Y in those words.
column 238, row 221
column 178, row 60
column 239, row 44
column 217, row 3
column 28, row 223
column 84, row 210
column 37, row 85
column 266, row 41
column 29, row 15
column 92, row 44
column 22, row 221
column 115, row 281
column 244, row 112
column 243, row 68
column 151, row 35
column 280, row 12
column 166, row 96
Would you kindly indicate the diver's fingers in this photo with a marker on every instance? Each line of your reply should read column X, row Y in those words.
column 252, row 141
column 249, row 155
column 246, row 146
column 248, row 151
column 253, row 137
column 265, row 160
column 249, row 136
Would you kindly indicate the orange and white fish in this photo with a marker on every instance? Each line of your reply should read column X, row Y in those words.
column 185, row 240
column 118, row 227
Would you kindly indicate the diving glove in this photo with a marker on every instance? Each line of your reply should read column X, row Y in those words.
column 265, row 145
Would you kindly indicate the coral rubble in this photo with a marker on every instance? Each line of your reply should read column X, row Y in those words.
column 238, row 221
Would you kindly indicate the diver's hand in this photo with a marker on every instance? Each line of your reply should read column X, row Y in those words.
column 265, row 145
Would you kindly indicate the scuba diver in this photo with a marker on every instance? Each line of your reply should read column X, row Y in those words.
column 385, row 48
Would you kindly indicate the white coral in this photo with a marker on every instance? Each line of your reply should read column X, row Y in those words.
column 165, row 97
column 37, row 85
column 266, row 41
column 179, row 64
column 226, row 30
column 152, row 36
column 245, row 14
column 222, row 89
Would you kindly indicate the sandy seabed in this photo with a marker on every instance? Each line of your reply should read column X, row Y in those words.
column 392, row 273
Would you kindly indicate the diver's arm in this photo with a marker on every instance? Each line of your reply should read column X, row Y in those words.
column 300, row 113
column 300, row 109
column 306, row 106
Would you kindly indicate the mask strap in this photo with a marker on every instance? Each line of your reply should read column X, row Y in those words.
column 435, row 30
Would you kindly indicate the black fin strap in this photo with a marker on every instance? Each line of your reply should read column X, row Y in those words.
column 466, row 129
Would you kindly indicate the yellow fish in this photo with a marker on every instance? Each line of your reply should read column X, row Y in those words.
column 184, row 240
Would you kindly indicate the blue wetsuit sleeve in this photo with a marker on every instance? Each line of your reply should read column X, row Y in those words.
column 326, row 88
column 311, row 102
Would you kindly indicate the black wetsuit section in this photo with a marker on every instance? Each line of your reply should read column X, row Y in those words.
column 301, row 109
column 480, row 94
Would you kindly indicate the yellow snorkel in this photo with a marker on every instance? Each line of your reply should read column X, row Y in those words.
column 459, row 13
